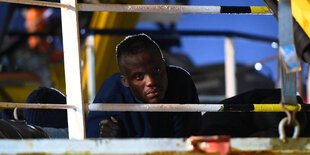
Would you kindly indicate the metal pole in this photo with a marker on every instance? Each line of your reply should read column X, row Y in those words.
column 72, row 61
column 142, row 146
column 230, row 68
column 194, row 107
column 37, row 3
column 91, row 79
column 172, row 8
column 35, row 105
column 163, row 107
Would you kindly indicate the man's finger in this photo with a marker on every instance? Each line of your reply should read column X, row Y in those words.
column 105, row 121
column 114, row 119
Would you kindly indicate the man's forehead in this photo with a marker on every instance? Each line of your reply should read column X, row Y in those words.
column 130, row 64
column 154, row 56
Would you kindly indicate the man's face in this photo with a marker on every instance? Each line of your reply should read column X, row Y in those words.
column 145, row 74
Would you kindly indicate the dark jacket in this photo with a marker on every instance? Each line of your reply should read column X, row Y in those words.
column 181, row 89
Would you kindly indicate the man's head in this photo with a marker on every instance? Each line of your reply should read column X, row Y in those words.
column 46, row 117
column 143, row 68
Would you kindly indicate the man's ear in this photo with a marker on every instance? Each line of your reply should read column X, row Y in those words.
column 124, row 81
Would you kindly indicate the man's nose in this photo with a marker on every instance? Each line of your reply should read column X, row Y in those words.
column 150, row 81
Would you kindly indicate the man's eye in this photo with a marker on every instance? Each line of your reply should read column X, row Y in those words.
column 157, row 70
column 138, row 76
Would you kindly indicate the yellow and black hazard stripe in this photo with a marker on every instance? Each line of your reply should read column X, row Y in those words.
column 245, row 9
column 263, row 108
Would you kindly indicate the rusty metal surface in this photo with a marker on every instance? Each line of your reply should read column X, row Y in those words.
column 149, row 146
column 270, row 146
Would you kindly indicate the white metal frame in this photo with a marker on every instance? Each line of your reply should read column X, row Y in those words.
column 72, row 61
column 150, row 145
column 71, row 43
column 230, row 68
column 90, row 56
column 37, row 3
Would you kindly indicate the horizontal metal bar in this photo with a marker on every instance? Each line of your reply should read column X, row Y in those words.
column 94, row 146
column 177, row 33
column 172, row 107
column 194, row 107
column 152, row 8
column 11, row 105
column 37, row 3
column 159, row 33
column 149, row 8
column 150, row 145
column 155, row 107
column 169, row 8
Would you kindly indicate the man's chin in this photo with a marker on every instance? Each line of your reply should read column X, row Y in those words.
column 154, row 100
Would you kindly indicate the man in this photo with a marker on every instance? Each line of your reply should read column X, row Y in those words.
column 144, row 78
column 54, row 118
column 38, row 123
column 53, row 121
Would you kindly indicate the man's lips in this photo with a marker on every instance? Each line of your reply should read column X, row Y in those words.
column 152, row 93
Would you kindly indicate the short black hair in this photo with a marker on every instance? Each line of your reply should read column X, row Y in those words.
column 135, row 44
column 46, row 95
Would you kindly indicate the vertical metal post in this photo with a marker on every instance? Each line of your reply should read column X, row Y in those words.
column 230, row 68
column 72, row 61
column 91, row 80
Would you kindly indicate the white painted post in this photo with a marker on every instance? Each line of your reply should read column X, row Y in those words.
column 91, row 80
column 230, row 68
column 72, row 61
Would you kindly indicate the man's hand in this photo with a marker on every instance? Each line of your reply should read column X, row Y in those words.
column 110, row 128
